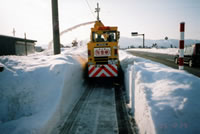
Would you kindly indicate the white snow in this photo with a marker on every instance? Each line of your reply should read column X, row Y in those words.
column 165, row 100
column 170, row 51
column 37, row 93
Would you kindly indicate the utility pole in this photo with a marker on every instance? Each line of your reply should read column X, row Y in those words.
column 143, row 40
column 14, row 31
column 55, row 21
column 25, row 44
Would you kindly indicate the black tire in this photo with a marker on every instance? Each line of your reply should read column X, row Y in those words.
column 190, row 63
column 1, row 69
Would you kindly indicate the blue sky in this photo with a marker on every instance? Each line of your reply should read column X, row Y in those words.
column 155, row 18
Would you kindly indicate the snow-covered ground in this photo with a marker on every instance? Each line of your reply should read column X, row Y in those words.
column 170, row 51
column 163, row 100
column 37, row 93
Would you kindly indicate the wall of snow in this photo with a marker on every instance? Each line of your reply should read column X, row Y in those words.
column 71, row 91
column 165, row 99
column 142, row 110
column 136, row 98
column 39, row 91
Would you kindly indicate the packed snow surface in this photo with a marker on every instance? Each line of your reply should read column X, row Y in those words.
column 37, row 93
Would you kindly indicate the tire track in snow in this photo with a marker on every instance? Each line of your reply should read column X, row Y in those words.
column 100, row 110
column 72, row 117
column 94, row 113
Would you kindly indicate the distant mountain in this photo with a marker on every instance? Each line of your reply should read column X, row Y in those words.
column 124, row 42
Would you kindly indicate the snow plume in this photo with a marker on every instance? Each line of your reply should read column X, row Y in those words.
column 70, row 29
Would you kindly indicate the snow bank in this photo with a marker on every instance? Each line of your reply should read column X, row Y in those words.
column 38, row 91
column 136, row 99
column 170, row 51
column 165, row 99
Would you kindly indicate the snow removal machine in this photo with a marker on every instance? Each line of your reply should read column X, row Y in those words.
column 103, row 58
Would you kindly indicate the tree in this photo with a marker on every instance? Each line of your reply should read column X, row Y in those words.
column 74, row 43
column 155, row 45
column 62, row 46
column 81, row 43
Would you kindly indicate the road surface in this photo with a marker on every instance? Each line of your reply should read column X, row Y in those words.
column 100, row 110
column 165, row 59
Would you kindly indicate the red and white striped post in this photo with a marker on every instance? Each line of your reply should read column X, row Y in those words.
column 181, row 46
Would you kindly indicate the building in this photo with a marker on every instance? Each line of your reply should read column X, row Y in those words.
column 16, row 46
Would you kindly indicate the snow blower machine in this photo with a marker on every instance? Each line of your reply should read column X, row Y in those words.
column 103, row 57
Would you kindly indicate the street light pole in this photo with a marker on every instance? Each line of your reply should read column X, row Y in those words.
column 136, row 34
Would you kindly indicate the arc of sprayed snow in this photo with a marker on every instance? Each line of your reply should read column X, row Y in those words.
column 70, row 29
column 76, row 26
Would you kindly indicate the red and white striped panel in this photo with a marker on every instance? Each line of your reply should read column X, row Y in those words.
column 109, row 70
column 181, row 46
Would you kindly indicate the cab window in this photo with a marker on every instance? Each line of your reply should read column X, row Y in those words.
column 106, row 36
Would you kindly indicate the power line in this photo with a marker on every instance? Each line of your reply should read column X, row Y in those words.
column 90, row 8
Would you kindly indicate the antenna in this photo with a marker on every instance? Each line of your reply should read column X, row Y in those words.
column 97, row 10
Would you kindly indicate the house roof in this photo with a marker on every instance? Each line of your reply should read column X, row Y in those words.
column 16, row 38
